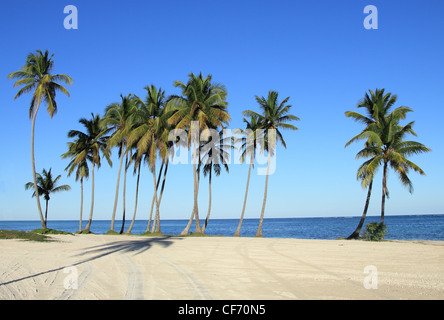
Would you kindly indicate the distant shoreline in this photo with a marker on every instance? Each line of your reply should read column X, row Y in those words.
column 269, row 218
column 401, row 227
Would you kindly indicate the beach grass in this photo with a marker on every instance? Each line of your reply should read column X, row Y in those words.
column 23, row 235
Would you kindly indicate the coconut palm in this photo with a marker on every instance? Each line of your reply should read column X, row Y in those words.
column 88, row 146
column 119, row 119
column 46, row 186
column 385, row 140
column 201, row 106
column 248, row 147
column 215, row 155
column 35, row 76
column 150, row 135
column 274, row 117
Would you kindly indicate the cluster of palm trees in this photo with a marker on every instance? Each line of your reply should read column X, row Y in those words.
column 145, row 131
column 141, row 129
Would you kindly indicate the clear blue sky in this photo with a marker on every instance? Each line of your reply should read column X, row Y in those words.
column 316, row 52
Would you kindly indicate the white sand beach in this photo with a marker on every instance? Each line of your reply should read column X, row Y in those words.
column 134, row 267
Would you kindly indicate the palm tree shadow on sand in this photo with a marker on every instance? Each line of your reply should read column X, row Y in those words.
column 135, row 247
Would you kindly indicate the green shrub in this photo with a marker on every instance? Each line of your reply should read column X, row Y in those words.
column 375, row 231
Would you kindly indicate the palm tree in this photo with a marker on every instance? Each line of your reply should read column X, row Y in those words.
column 119, row 119
column 385, row 140
column 248, row 148
column 36, row 76
column 274, row 117
column 150, row 134
column 204, row 104
column 88, row 147
column 46, row 186
column 214, row 155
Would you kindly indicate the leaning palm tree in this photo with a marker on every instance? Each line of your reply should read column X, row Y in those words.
column 46, row 186
column 35, row 76
column 119, row 119
column 274, row 117
column 88, row 146
column 248, row 147
column 201, row 106
column 386, row 138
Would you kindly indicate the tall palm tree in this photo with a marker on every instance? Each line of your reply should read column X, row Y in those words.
column 35, row 76
column 215, row 155
column 119, row 119
column 88, row 146
column 150, row 134
column 385, row 137
column 203, row 103
column 248, row 148
column 274, row 117
column 46, row 186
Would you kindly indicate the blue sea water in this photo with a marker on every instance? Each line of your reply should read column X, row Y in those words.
column 405, row 227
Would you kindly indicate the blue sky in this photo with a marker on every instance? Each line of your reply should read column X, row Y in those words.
column 316, row 52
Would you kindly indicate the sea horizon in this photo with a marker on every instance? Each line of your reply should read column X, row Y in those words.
column 400, row 227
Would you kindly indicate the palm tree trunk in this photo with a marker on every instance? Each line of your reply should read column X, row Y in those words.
column 88, row 225
column 156, row 184
column 39, row 207
column 237, row 233
column 195, row 212
column 357, row 231
column 209, row 203
column 117, row 191
column 124, row 194
column 156, row 223
column 259, row 229
column 160, row 197
column 154, row 198
column 384, row 192
column 196, row 204
column 81, row 204
column 135, row 205
column 46, row 213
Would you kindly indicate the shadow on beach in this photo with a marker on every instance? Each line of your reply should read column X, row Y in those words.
column 136, row 246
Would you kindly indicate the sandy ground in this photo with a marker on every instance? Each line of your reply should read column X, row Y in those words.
column 131, row 267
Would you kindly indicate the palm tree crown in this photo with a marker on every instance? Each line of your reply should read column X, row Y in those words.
column 36, row 76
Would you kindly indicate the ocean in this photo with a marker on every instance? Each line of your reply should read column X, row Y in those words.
column 401, row 227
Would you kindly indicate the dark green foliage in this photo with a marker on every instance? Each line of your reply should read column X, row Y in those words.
column 375, row 231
